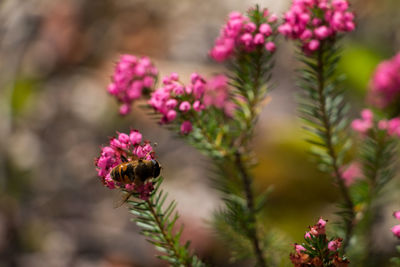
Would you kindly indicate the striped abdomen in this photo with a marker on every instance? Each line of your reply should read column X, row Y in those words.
column 123, row 173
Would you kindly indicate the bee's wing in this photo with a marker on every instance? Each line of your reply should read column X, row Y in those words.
column 122, row 198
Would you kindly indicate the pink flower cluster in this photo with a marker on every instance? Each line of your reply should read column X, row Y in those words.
column 243, row 33
column 132, row 75
column 128, row 146
column 392, row 126
column 180, row 103
column 385, row 84
column 312, row 21
column 317, row 229
column 323, row 250
column 351, row 172
column 366, row 122
column 396, row 228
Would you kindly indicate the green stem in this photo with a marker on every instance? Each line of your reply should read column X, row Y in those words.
column 253, row 235
column 331, row 149
column 370, row 210
column 166, row 237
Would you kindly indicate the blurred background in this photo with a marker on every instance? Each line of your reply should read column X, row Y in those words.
column 56, row 58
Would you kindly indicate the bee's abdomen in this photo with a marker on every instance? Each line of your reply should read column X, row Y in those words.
column 123, row 173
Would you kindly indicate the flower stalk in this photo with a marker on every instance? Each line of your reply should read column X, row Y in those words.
column 331, row 149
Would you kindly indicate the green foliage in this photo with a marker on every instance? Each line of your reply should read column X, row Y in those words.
column 396, row 260
column 378, row 155
column 157, row 221
column 324, row 111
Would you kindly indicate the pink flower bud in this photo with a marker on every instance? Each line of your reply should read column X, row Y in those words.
column 322, row 32
column 184, row 106
column 171, row 115
column 171, row 103
column 197, row 106
column 174, row 76
column 383, row 124
column 334, row 245
column 396, row 230
column 123, row 138
column 270, row 46
column 265, row 29
column 124, row 109
column 307, row 235
column 299, row 248
column 307, row 34
column 148, row 81
column 273, row 18
column 186, row 127
column 135, row 137
column 313, row 45
column 396, row 214
column 321, row 222
column 367, row 114
column 258, row 39
column 250, row 27
column 246, row 39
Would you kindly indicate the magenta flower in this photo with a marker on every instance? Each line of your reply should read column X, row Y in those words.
column 181, row 103
column 242, row 34
column 396, row 230
column 132, row 76
column 396, row 214
column 319, row 228
column 364, row 124
column 335, row 244
column 385, row 84
column 128, row 147
column 217, row 95
column 299, row 248
column 313, row 21
column 351, row 173
column 186, row 127
column 175, row 100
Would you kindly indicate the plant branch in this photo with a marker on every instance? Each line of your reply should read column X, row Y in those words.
column 330, row 147
column 253, row 235
column 158, row 227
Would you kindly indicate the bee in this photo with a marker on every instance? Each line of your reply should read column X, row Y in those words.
column 136, row 171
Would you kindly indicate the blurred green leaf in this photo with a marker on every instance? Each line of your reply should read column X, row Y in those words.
column 358, row 63
column 22, row 92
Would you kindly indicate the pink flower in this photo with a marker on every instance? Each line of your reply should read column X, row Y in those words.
column 241, row 34
column 396, row 230
column 124, row 146
column 318, row 20
column 334, row 245
column 265, row 29
column 132, row 75
column 299, row 248
column 186, row 127
column 184, row 106
column 385, row 84
column 393, row 127
column 396, row 214
column 319, row 228
column 270, row 46
column 321, row 222
column 135, row 137
column 351, row 172
column 365, row 123
column 258, row 39
column 307, row 235
column 313, row 45
column 171, row 115
column 322, row 32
